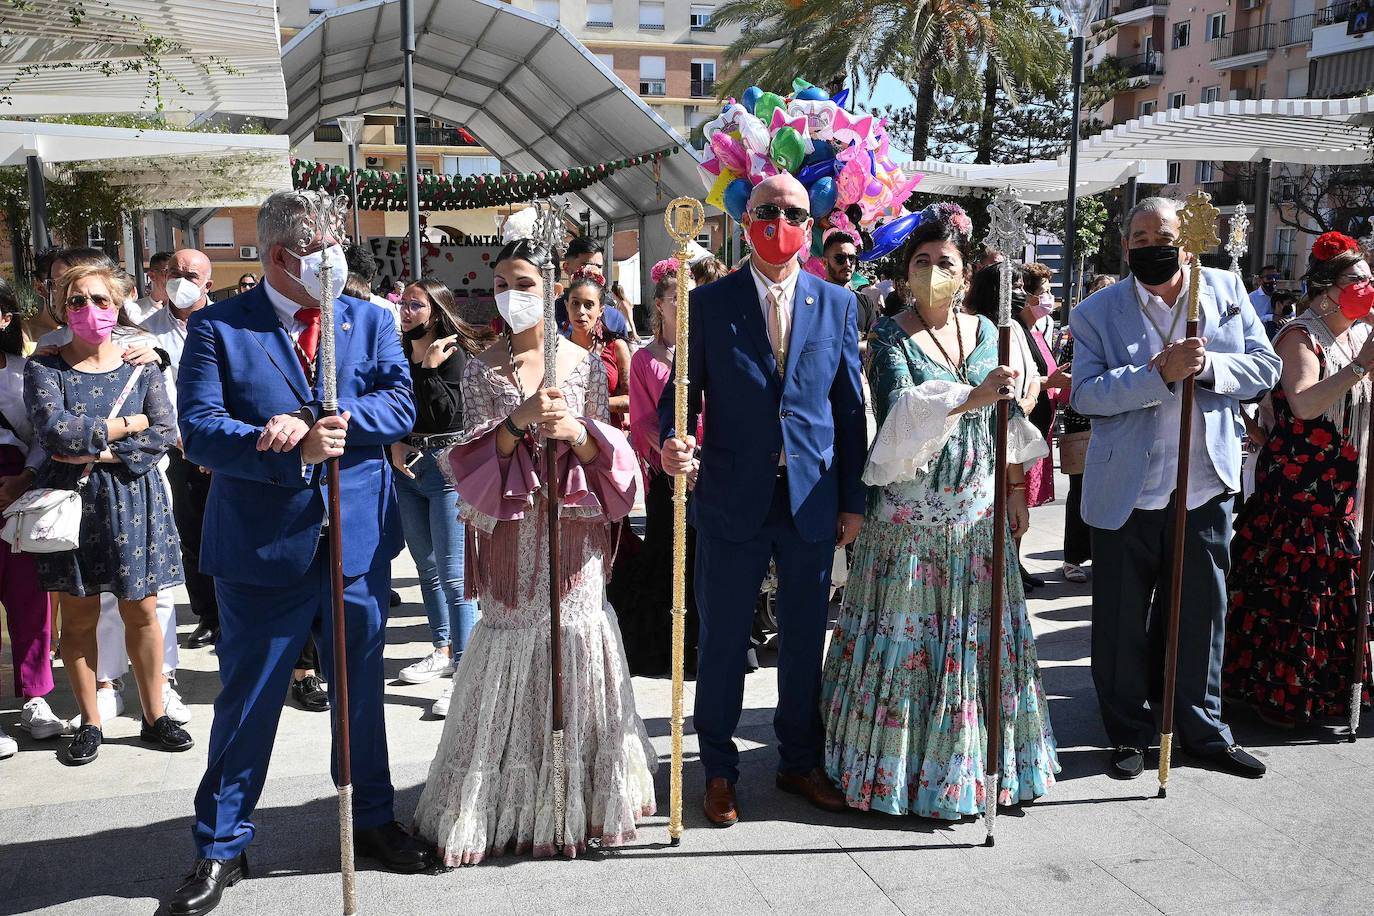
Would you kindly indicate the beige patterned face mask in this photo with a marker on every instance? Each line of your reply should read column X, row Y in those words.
column 931, row 285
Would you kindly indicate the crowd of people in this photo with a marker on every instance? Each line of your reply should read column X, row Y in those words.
column 825, row 413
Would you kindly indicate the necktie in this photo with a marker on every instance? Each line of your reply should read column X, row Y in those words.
column 309, row 342
column 777, row 328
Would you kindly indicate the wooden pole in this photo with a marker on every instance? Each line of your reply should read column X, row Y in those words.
column 1362, row 602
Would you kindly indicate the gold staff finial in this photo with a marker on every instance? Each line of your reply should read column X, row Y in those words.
column 1197, row 233
column 683, row 219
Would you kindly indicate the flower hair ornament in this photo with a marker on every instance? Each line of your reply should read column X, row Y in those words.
column 663, row 268
column 1330, row 244
column 950, row 213
column 589, row 274
column 520, row 226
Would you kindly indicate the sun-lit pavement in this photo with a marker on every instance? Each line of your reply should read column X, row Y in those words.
column 114, row 837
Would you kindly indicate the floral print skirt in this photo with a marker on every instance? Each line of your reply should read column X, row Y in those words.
column 905, row 677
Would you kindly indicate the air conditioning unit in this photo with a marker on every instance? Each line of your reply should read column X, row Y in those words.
column 248, row 253
column 374, row 162
column 1251, row 4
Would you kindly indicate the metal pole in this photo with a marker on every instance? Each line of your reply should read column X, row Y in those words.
column 412, row 168
column 136, row 228
column 353, row 189
column 38, row 206
column 1066, row 268
column 1258, row 248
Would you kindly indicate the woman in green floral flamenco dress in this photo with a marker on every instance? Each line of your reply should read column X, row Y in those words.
column 906, row 676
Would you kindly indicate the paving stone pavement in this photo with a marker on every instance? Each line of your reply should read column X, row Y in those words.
column 114, row 837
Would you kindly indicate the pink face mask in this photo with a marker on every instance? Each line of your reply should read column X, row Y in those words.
column 92, row 324
column 1041, row 307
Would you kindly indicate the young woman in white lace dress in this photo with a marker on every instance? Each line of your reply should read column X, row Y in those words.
column 490, row 788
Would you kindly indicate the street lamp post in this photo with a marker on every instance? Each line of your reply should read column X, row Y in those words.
column 352, row 129
column 1079, row 15
column 412, row 166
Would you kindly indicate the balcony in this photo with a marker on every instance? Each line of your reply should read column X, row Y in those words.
column 1245, row 48
column 705, row 26
column 600, row 24
column 439, row 136
column 1296, row 31
column 1135, row 72
column 1126, row 12
column 1227, row 192
column 703, row 89
column 1336, row 12
column 653, row 87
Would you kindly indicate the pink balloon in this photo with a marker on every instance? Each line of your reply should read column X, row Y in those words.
column 730, row 152
column 851, row 181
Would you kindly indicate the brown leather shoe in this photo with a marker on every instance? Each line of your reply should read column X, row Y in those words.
column 719, row 802
column 815, row 787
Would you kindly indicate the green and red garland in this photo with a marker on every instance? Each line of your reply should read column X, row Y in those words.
column 381, row 190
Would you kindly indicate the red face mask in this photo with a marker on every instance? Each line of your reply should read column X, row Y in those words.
column 1356, row 300
column 777, row 241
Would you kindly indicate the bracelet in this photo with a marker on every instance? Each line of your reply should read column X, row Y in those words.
column 511, row 428
column 582, row 439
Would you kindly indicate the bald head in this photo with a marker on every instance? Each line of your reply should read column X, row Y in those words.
column 784, row 190
column 193, row 267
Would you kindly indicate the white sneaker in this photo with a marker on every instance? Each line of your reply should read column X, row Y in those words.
column 435, row 664
column 172, row 705
column 40, row 720
column 440, row 707
column 8, row 746
column 110, row 701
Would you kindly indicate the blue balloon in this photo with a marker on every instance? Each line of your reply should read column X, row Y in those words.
column 823, row 152
column 888, row 237
column 813, row 94
column 840, row 97
column 750, row 97
column 823, row 196
column 737, row 197
column 810, row 174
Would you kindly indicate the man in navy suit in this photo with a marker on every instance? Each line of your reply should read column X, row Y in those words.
column 250, row 411
column 774, row 352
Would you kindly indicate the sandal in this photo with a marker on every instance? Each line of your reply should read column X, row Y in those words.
column 1075, row 573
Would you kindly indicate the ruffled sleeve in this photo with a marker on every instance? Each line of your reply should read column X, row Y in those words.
column 918, row 423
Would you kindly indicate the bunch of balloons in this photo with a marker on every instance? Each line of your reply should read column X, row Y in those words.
column 842, row 159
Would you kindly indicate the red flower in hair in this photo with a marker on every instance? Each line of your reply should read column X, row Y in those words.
column 1330, row 244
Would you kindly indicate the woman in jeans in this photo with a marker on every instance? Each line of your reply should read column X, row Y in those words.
column 438, row 344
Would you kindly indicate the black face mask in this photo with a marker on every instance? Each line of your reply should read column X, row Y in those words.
column 1154, row 265
column 415, row 333
column 1018, row 299
column 1268, row 285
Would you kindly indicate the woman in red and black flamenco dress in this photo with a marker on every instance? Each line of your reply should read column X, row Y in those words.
column 1290, row 627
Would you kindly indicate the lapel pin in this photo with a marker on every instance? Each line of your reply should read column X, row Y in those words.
column 346, row 326
column 810, row 300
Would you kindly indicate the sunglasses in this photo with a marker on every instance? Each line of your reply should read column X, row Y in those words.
column 412, row 305
column 80, row 302
column 845, row 258
column 794, row 215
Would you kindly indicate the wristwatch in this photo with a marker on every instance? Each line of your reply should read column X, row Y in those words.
column 1358, row 369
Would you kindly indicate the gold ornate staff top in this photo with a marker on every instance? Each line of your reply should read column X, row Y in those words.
column 683, row 219
column 1197, row 233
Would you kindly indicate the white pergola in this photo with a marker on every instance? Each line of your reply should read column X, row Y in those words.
column 226, row 58
column 1036, row 182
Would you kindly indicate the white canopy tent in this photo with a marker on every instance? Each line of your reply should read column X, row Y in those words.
column 1036, row 182
column 524, row 86
column 225, row 58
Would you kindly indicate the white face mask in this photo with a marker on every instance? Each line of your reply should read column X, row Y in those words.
column 183, row 293
column 310, row 271
column 520, row 309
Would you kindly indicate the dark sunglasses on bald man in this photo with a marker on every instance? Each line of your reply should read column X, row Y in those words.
column 794, row 215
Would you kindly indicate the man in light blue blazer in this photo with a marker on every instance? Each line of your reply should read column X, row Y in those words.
column 1129, row 356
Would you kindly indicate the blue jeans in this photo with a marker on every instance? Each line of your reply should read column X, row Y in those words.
column 429, row 518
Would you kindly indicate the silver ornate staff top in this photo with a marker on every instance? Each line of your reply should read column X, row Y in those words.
column 325, row 217
column 1238, row 240
column 1007, row 215
column 324, row 222
column 549, row 234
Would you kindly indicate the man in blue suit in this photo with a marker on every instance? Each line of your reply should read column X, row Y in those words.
column 1128, row 360
column 250, row 412
column 774, row 353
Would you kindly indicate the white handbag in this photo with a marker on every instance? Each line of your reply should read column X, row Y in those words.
column 48, row 520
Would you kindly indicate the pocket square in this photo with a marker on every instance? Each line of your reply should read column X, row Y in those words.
column 1233, row 311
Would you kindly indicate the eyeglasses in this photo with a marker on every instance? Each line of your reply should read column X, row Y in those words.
column 412, row 305
column 247, row 284
column 1356, row 279
column 845, row 258
column 794, row 215
column 79, row 301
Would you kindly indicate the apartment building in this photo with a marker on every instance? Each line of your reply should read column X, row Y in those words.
column 1172, row 53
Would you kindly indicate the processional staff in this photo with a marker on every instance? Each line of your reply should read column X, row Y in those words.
column 683, row 219
column 1364, row 608
column 549, row 232
column 1006, row 233
column 1238, row 239
column 1198, row 233
column 326, row 222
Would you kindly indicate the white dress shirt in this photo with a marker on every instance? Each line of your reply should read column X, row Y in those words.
column 286, row 311
column 140, row 310
column 1263, row 303
column 1161, row 471
column 170, row 333
column 785, row 289
column 16, row 412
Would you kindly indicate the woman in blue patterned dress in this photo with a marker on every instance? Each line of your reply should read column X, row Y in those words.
column 905, row 677
column 128, row 541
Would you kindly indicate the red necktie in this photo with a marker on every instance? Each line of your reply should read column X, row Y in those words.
column 309, row 342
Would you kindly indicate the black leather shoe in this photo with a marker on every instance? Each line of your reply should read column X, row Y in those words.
column 203, row 635
column 397, row 850
column 1127, row 763
column 309, row 694
column 395, row 598
column 85, row 747
column 200, row 892
column 166, row 735
column 1235, row 760
column 1028, row 580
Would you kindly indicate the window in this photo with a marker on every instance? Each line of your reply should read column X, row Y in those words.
column 653, row 73
column 1207, row 172
column 599, row 13
column 462, row 166
column 1147, row 108
column 546, row 8
column 1175, row 173
column 651, row 15
column 1285, row 244
column 1183, row 34
column 703, row 78
column 1178, row 99
column 608, row 60
column 1211, row 94
column 1216, row 26
column 218, row 232
column 1297, row 83
column 701, row 18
